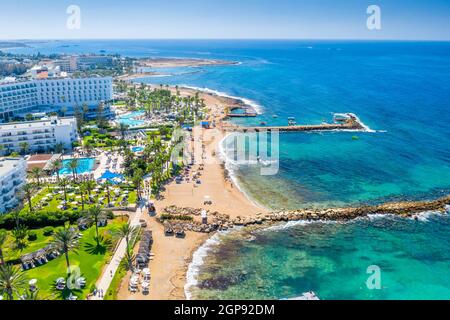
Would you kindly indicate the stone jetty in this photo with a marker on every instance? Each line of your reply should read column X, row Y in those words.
column 218, row 221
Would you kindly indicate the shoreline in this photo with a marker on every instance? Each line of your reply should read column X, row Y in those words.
column 235, row 203
column 173, row 256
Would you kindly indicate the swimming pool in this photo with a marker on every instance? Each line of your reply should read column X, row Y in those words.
column 137, row 149
column 129, row 119
column 85, row 165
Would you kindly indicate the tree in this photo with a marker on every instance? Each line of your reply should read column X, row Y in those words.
column 66, row 240
column 59, row 147
column 2, row 148
column 108, row 191
column 123, row 129
column 19, row 234
column 36, row 173
column 83, row 190
column 24, row 146
column 12, row 281
column 3, row 236
column 63, row 183
column 90, row 185
column 56, row 166
column 27, row 192
column 73, row 165
column 137, row 180
column 95, row 214
column 129, row 233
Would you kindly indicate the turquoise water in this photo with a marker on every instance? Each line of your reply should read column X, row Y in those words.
column 399, row 89
column 137, row 149
column 85, row 165
column 129, row 119
column 332, row 260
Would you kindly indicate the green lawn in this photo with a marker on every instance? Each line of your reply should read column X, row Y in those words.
column 54, row 202
column 11, row 251
column 90, row 265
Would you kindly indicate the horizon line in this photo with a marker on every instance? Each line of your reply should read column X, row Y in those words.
column 229, row 39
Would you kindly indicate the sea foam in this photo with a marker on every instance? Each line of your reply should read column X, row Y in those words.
column 258, row 108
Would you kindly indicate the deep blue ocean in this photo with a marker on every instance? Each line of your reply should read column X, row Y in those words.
column 401, row 90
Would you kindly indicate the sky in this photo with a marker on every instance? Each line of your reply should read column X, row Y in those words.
column 226, row 19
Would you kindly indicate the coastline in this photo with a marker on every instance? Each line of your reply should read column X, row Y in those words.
column 230, row 199
column 173, row 256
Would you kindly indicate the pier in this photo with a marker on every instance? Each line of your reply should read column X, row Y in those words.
column 350, row 123
column 249, row 111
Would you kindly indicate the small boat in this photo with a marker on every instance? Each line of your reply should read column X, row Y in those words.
column 274, row 116
column 292, row 121
column 262, row 123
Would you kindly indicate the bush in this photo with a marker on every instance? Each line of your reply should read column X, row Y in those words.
column 37, row 220
column 32, row 236
column 48, row 231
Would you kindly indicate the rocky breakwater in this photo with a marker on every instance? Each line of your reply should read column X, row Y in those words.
column 218, row 221
column 404, row 209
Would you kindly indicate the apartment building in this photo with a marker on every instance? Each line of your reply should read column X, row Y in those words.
column 38, row 136
column 12, row 178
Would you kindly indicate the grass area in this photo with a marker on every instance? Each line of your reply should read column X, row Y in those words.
column 11, row 252
column 52, row 204
column 114, row 287
column 90, row 264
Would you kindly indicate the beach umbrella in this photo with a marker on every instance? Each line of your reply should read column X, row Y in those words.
column 74, row 203
column 32, row 282
column 146, row 270
column 145, row 285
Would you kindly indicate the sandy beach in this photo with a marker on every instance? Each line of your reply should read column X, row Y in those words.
column 173, row 255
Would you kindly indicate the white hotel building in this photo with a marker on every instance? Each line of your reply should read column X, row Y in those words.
column 40, row 136
column 12, row 178
column 57, row 94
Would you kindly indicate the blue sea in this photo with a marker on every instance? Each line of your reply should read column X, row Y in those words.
column 400, row 90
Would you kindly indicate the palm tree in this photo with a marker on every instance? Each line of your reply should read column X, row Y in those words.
column 24, row 146
column 90, row 185
column 107, row 184
column 83, row 190
column 12, row 280
column 19, row 234
column 66, row 240
column 129, row 233
column 95, row 214
column 137, row 180
column 36, row 173
column 73, row 165
column 123, row 128
column 27, row 192
column 56, row 166
column 3, row 236
column 59, row 147
column 63, row 183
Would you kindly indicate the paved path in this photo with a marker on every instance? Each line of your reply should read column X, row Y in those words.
column 105, row 280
